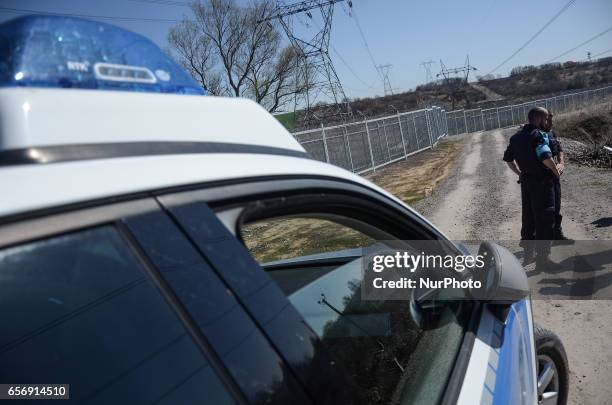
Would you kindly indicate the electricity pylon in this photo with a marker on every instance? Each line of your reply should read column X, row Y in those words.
column 315, row 68
column 384, row 70
column 456, row 78
column 427, row 66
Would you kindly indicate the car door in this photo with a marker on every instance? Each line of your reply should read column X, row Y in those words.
column 301, row 284
column 115, row 301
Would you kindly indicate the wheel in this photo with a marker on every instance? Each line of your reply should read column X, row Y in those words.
column 553, row 369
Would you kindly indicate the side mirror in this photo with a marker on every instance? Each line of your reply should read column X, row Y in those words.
column 503, row 278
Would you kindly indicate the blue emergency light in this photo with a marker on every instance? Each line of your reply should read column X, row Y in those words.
column 52, row 51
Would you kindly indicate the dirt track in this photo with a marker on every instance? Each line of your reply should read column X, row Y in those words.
column 480, row 200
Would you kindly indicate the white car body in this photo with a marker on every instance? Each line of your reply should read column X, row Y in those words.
column 35, row 121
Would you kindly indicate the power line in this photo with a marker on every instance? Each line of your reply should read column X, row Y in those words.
column 580, row 45
column 601, row 53
column 101, row 17
column 350, row 69
column 534, row 36
column 365, row 41
column 344, row 62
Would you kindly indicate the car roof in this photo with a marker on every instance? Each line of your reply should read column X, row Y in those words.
column 40, row 117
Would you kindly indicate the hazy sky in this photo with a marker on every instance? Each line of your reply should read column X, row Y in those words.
column 402, row 33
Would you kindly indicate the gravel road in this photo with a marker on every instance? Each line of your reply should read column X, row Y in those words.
column 480, row 200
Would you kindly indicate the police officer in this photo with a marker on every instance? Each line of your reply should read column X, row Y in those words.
column 530, row 157
column 558, row 155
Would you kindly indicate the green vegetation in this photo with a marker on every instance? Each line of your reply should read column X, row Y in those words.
column 287, row 119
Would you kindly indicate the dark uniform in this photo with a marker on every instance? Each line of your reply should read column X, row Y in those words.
column 529, row 147
column 556, row 149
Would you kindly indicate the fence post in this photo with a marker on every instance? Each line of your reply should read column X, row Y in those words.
column 399, row 122
column 416, row 133
column 384, row 127
column 498, row 121
column 512, row 114
column 482, row 120
column 325, row 144
column 456, row 127
column 428, row 128
column 348, row 148
column 445, row 121
column 465, row 122
column 370, row 145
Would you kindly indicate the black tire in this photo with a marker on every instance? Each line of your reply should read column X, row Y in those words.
column 548, row 344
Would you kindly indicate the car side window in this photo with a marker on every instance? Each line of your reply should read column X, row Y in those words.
column 379, row 344
column 81, row 309
column 286, row 238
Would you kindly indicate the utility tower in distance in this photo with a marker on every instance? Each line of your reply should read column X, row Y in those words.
column 456, row 79
column 384, row 71
column 315, row 68
column 427, row 66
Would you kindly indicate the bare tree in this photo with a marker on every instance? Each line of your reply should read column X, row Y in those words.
column 230, row 52
column 195, row 54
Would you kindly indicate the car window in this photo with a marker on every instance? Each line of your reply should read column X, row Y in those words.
column 279, row 239
column 80, row 309
column 388, row 354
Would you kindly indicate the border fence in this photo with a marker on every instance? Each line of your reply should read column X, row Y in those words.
column 371, row 144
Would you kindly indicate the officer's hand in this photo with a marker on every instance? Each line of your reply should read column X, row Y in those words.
column 560, row 168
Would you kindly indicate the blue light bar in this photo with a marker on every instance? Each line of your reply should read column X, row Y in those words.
column 51, row 51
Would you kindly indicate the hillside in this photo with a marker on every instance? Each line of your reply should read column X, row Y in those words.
column 536, row 81
column 523, row 83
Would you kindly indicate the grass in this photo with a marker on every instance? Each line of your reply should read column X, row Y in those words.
column 591, row 125
column 287, row 119
column 415, row 178
column 410, row 180
column 293, row 237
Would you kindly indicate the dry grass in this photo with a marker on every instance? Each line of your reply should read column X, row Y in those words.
column 413, row 179
column 410, row 180
column 591, row 125
column 293, row 237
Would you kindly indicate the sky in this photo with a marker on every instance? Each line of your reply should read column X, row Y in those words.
column 402, row 33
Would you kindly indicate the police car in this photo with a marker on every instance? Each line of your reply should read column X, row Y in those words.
column 155, row 248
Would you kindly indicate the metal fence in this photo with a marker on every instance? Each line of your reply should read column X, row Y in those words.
column 368, row 145
column 461, row 121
